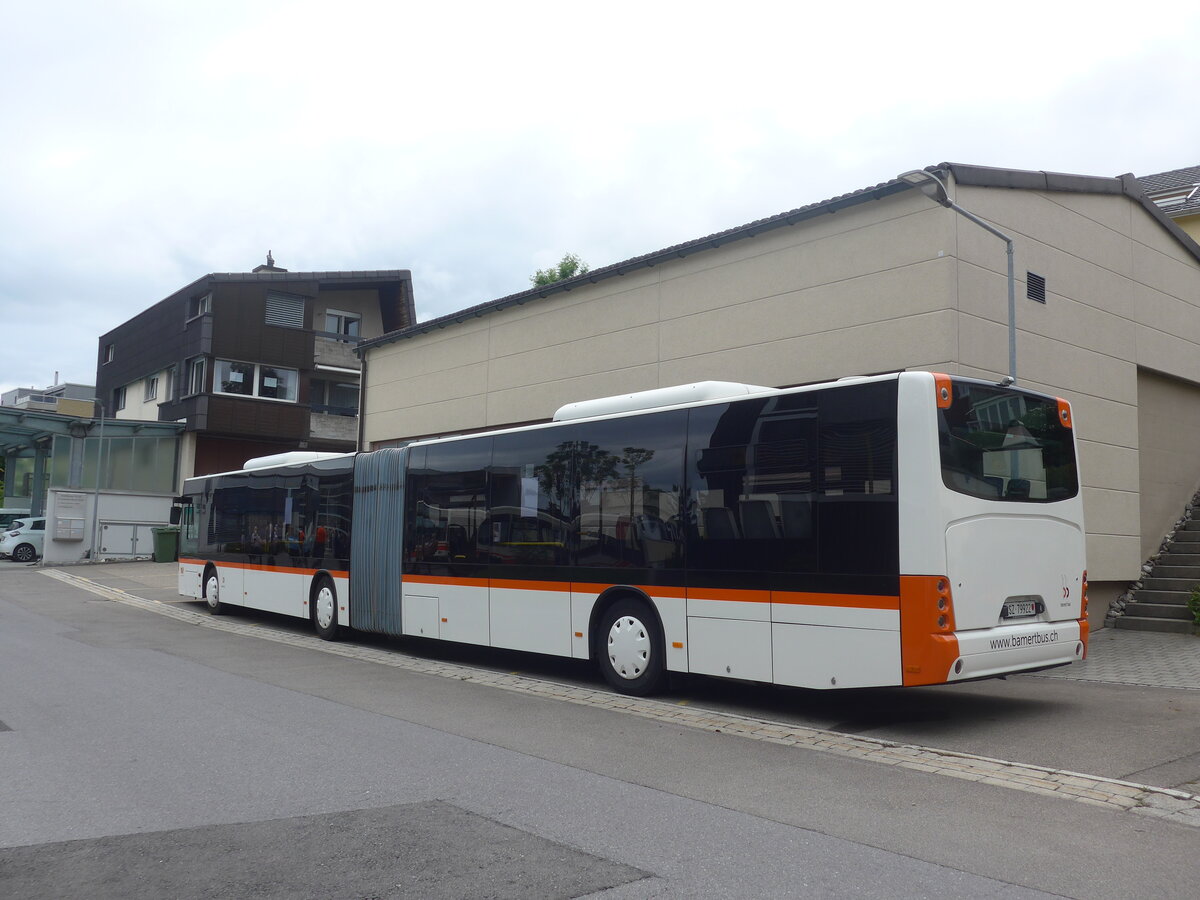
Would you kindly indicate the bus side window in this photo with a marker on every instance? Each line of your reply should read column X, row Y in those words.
column 751, row 482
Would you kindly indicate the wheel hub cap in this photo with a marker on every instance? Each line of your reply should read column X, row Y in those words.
column 628, row 647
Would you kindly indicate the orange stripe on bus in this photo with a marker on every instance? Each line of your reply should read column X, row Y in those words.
column 654, row 590
column 727, row 595
column 256, row 567
column 450, row 582
column 510, row 584
column 848, row 601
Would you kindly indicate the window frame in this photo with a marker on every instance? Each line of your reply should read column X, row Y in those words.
column 344, row 319
column 257, row 374
column 199, row 305
column 197, row 364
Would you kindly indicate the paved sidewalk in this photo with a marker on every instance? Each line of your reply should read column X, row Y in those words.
column 1143, row 658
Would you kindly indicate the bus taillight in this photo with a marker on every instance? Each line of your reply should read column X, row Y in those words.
column 1064, row 413
column 945, row 606
column 1083, row 609
column 943, row 390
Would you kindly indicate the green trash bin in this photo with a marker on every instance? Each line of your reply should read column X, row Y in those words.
column 166, row 543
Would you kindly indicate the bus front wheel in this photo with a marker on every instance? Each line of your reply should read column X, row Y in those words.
column 325, row 619
column 630, row 648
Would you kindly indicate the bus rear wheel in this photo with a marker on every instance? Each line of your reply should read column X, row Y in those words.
column 630, row 648
column 325, row 619
column 212, row 592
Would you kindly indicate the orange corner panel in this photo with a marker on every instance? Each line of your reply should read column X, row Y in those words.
column 928, row 647
column 1064, row 413
column 943, row 390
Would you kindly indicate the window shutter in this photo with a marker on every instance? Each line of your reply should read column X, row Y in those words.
column 287, row 312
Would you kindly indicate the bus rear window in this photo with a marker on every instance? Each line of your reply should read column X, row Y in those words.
column 1002, row 444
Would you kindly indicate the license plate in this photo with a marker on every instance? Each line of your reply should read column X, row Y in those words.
column 1017, row 608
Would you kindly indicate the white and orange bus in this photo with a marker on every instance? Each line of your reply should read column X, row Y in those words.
column 902, row 529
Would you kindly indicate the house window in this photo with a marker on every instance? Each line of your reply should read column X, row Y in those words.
column 109, row 351
column 277, row 384
column 195, row 378
column 251, row 380
column 285, row 311
column 339, row 398
column 169, row 388
column 119, row 398
column 198, row 306
column 151, row 392
column 233, row 378
column 344, row 323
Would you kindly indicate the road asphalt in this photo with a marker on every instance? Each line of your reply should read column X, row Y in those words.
column 970, row 782
column 1118, row 657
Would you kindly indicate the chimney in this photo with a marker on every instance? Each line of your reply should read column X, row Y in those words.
column 269, row 267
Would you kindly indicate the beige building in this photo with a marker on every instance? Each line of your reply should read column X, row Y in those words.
column 882, row 279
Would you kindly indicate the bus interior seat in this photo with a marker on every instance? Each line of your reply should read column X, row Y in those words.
column 720, row 524
column 758, row 520
column 796, row 511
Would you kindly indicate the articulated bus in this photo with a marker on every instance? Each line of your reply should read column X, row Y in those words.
column 902, row 529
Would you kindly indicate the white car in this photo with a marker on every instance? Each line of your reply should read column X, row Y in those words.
column 23, row 540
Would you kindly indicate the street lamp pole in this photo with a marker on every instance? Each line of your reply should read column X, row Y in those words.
column 99, row 470
column 933, row 188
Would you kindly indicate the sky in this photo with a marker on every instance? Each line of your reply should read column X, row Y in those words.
column 150, row 142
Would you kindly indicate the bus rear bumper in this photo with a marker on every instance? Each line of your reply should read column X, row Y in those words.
column 1017, row 648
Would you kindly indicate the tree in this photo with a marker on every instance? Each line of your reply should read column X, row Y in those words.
column 568, row 267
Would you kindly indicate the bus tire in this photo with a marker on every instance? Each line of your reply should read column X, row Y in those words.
column 212, row 591
column 325, row 606
column 630, row 648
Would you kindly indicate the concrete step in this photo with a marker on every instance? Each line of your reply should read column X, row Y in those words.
column 1173, row 626
column 1167, row 569
column 1191, row 525
column 1142, row 610
column 1157, row 583
column 1172, row 598
column 1179, row 558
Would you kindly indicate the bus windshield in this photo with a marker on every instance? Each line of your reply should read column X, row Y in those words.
column 998, row 443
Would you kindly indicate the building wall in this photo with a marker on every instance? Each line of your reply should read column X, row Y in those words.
column 885, row 285
column 1169, row 439
column 1190, row 224
column 1122, row 296
column 137, row 406
column 841, row 295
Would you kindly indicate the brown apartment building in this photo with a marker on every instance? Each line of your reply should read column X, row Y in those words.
column 253, row 363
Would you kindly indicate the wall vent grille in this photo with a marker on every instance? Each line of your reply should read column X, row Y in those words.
column 1035, row 287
